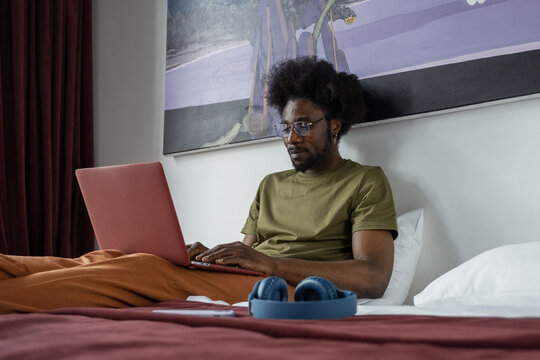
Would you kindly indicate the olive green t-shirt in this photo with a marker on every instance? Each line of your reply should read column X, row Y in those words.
column 313, row 216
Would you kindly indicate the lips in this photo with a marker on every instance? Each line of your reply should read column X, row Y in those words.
column 296, row 152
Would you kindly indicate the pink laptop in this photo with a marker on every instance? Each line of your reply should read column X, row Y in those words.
column 131, row 210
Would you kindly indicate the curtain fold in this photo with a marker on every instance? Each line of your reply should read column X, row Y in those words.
column 46, row 125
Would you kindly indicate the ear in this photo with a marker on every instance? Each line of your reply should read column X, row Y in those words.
column 335, row 126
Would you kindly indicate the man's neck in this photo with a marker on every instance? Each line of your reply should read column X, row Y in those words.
column 328, row 164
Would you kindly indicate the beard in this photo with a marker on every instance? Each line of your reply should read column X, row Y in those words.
column 317, row 158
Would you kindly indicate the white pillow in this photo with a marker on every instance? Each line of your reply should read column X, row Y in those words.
column 407, row 248
column 507, row 275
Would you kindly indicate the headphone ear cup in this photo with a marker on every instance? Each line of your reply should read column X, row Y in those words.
column 315, row 288
column 272, row 288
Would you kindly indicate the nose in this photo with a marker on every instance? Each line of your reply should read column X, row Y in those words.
column 293, row 137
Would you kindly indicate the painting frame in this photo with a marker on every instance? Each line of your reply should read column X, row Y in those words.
column 392, row 96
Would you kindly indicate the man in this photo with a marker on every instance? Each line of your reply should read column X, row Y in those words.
column 329, row 217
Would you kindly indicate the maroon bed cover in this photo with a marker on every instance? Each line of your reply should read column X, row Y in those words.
column 137, row 333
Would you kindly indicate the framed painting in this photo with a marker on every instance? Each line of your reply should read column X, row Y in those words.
column 412, row 57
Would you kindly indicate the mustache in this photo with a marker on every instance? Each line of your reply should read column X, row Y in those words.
column 295, row 149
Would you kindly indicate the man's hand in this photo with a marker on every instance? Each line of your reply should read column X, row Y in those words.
column 237, row 253
column 195, row 249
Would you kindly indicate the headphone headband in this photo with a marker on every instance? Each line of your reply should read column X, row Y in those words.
column 322, row 309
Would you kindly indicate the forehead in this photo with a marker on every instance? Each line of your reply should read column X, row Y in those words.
column 300, row 110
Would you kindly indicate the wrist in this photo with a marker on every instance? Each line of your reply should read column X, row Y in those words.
column 276, row 265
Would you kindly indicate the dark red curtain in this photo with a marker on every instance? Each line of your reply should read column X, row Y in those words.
column 46, row 125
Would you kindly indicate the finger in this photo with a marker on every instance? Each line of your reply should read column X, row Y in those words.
column 212, row 254
column 251, row 259
column 195, row 249
column 244, row 263
column 230, row 260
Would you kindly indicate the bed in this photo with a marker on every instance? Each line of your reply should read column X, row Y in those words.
column 487, row 307
column 139, row 333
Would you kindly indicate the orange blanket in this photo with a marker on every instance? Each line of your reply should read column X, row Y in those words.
column 109, row 278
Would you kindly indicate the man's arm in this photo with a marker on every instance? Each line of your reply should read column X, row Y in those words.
column 249, row 239
column 367, row 274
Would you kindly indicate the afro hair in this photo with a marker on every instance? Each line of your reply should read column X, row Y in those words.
column 338, row 95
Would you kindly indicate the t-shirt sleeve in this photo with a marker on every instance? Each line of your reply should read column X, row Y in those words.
column 250, row 227
column 373, row 208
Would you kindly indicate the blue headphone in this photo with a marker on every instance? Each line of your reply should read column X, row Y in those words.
column 314, row 298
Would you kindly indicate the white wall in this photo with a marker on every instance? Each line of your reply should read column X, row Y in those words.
column 474, row 171
column 128, row 45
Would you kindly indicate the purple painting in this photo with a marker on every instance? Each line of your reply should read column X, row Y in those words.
column 219, row 54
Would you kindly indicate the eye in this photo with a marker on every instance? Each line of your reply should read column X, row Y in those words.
column 302, row 126
column 282, row 130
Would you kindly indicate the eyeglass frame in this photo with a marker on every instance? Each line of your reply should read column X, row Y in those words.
column 305, row 123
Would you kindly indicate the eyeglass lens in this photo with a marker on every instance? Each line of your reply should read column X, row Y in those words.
column 300, row 128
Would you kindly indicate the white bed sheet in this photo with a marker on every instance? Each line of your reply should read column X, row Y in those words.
column 449, row 311
column 452, row 311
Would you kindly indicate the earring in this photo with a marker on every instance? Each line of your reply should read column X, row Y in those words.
column 334, row 140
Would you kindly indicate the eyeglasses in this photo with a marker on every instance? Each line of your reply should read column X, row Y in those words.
column 301, row 128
